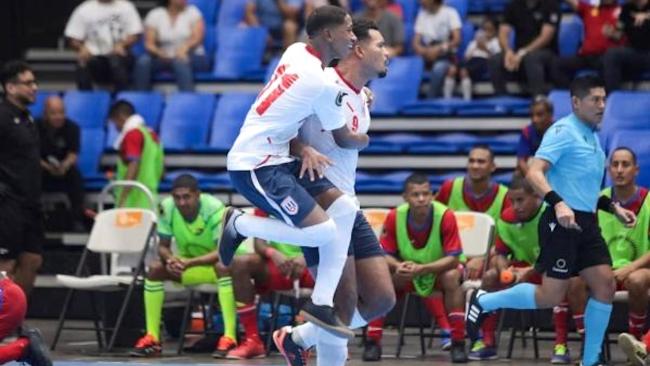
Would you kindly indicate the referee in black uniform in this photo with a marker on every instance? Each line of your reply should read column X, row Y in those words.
column 21, row 216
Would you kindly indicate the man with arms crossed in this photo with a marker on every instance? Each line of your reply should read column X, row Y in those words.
column 263, row 170
column 365, row 264
column 571, row 244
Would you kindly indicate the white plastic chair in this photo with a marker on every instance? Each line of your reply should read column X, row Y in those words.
column 477, row 233
column 376, row 218
column 125, row 234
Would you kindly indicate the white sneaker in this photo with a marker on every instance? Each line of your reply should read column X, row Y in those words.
column 634, row 349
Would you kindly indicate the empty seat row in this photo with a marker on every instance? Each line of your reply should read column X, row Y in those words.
column 450, row 143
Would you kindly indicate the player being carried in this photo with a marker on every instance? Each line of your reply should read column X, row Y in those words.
column 310, row 212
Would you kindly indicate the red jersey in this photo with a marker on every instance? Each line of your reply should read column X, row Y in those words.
column 595, row 18
column 477, row 204
column 133, row 144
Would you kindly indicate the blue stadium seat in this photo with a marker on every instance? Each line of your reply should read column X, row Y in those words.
column 399, row 87
column 207, row 181
column 570, row 36
column 36, row 109
column 476, row 6
column 467, row 35
column 561, row 100
column 88, row 109
column 147, row 104
column 356, row 5
column 92, row 146
column 450, row 142
column 228, row 118
column 379, row 183
column 186, row 120
column 410, row 10
column 625, row 110
column 208, row 9
column 439, row 179
column 460, row 5
column 239, row 53
column 503, row 178
column 503, row 143
column 394, row 143
column 231, row 13
column 638, row 142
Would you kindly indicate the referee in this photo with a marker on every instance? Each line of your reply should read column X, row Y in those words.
column 21, row 218
column 567, row 171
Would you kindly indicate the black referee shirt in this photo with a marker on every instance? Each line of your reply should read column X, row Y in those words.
column 20, row 168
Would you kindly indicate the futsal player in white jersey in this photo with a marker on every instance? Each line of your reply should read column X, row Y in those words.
column 366, row 264
column 311, row 212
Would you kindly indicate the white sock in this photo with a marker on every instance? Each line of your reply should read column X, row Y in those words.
column 448, row 88
column 466, row 87
column 332, row 256
column 357, row 320
column 305, row 335
column 275, row 230
column 330, row 349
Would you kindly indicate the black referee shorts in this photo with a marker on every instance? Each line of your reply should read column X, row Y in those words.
column 21, row 229
column 566, row 252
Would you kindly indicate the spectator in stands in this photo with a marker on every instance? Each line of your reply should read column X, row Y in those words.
column 476, row 192
column 475, row 63
column 173, row 38
column 281, row 17
column 192, row 219
column 541, row 117
column 140, row 155
column 390, row 26
column 632, row 61
column 629, row 247
column 29, row 347
column 535, row 24
column 21, row 217
column 599, row 21
column 423, row 246
column 271, row 267
column 102, row 32
column 516, row 251
column 437, row 36
column 60, row 143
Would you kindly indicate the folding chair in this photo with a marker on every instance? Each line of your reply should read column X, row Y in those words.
column 125, row 234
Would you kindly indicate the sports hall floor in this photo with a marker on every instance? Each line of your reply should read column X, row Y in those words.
column 74, row 349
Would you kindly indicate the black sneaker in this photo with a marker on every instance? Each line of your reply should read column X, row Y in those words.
column 371, row 351
column 290, row 350
column 474, row 316
column 325, row 317
column 458, row 353
column 37, row 353
column 229, row 238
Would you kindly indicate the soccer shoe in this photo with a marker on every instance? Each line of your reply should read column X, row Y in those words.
column 634, row 349
column 36, row 353
column 481, row 352
column 229, row 238
column 325, row 317
column 445, row 340
column 474, row 315
column 224, row 345
column 561, row 355
column 290, row 350
column 146, row 346
column 249, row 348
column 458, row 354
column 371, row 351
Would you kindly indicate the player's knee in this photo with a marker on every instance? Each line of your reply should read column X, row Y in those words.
column 636, row 282
column 605, row 289
column 221, row 270
column 450, row 279
column 490, row 279
column 323, row 233
column 156, row 271
column 30, row 262
column 383, row 303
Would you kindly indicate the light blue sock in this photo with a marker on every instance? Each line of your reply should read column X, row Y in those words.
column 521, row 296
column 596, row 321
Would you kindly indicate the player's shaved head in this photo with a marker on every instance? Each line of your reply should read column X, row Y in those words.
column 323, row 17
column 185, row 181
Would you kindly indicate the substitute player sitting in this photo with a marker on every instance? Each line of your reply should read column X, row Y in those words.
column 192, row 219
column 515, row 252
column 272, row 267
column 422, row 242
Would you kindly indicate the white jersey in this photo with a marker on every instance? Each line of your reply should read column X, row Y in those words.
column 355, row 106
column 297, row 89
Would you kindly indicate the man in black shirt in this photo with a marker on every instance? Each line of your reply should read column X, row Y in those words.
column 535, row 23
column 59, row 152
column 21, row 218
column 631, row 61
